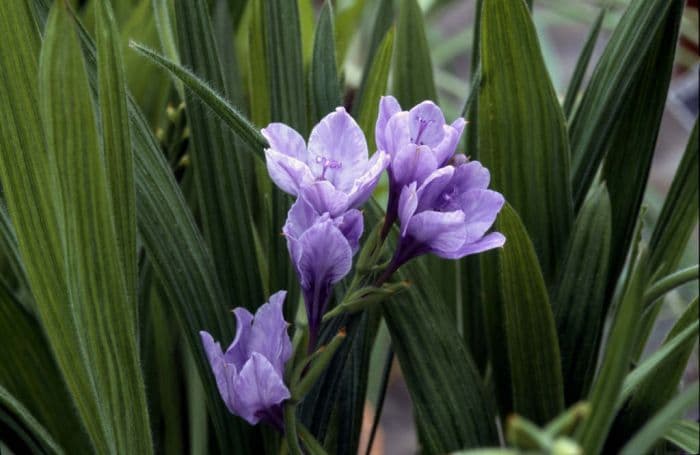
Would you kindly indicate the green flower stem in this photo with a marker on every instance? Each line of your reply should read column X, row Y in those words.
column 670, row 282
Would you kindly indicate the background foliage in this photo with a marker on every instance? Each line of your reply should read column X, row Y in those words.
column 136, row 211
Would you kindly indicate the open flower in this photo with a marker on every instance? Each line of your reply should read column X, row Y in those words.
column 449, row 214
column 250, row 373
column 321, row 245
column 336, row 153
column 419, row 141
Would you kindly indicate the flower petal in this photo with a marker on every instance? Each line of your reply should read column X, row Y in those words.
column 488, row 242
column 470, row 176
column 480, row 209
column 269, row 333
column 239, row 350
column 223, row 374
column 285, row 140
column 446, row 148
column 338, row 138
column 397, row 134
column 363, row 186
column 408, row 202
column 351, row 225
column 412, row 163
column 431, row 190
column 300, row 217
column 439, row 231
column 288, row 173
column 426, row 124
column 388, row 106
column 324, row 197
column 258, row 387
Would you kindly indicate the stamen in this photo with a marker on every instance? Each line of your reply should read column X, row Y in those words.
column 327, row 163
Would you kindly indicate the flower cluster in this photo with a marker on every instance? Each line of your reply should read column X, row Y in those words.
column 439, row 199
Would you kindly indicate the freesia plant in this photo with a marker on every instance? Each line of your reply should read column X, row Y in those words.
column 203, row 233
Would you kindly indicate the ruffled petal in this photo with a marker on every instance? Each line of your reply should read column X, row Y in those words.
column 363, row 187
column 446, row 148
column 300, row 217
column 388, row 106
column 223, row 374
column 325, row 198
column 471, row 176
column 480, row 209
column 431, row 190
column 239, row 350
column 426, row 124
column 285, row 140
column 288, row 173
column 488, row 242
column 258, row 388
column 337, row 149
column 269, row 333
column 439, row 231
column 351, row 224
column 412, row 163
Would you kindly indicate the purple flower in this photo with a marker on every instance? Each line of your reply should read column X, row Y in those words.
column 321, row 244
column 418, row 141
column 449, row 214
column 336, row 153
column 250, row 373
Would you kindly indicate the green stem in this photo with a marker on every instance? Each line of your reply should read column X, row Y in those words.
column 670, row 282
column 380, row 401
column 290, row 428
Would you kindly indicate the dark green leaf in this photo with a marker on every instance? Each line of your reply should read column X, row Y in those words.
column 582, row 65
column 323, row 75
column 383, row 20
column 522, row 131
column 35, row 435
column 367, row 104
column 631, row 138
column 347, row 21
column 413, row 69
column 108, row 330
column 616, row 72
column 579, row 300
column 521, row 325
column 679, row 214
column 655, row 428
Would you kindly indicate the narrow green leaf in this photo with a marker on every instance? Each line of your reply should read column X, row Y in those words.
column 579, row 300
column 471, row 109
column 582, row 63
column 116, row 140
column 631, row 139
column 109, row 329
column 644, row 440
column 615, row 364
column 43, row 440
column 30, row 192
column 522, row 131
column 617, row 70
column 524, row 319
column 413, row 70
column 684, row 434
column 367, row 104
column 323, row 75
column 382, row 23
column 209, row 96
column 162, row 15
column 9, row 252
column 218, row 173
column 257, row 70
column 669, row 283
column 679, row 214
column 347, row 21
column 25, row 364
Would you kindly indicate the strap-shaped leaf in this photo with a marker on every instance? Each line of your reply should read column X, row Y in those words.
column 579, row 300
column 96, row 268
column 34, row 435
column 615, row 363
column 684, row 434
column 584, row 59
column 632, row 136
column 9, row 254
column 520, row 325
column 217, row 166
column 26, row 362
column 679, row 214
column 592, row 125
column 522, row 131
column 34, row 205
column 347, row 22
column 654, row 429
column 323, row 75
column 413, row 69
column 367, row 104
